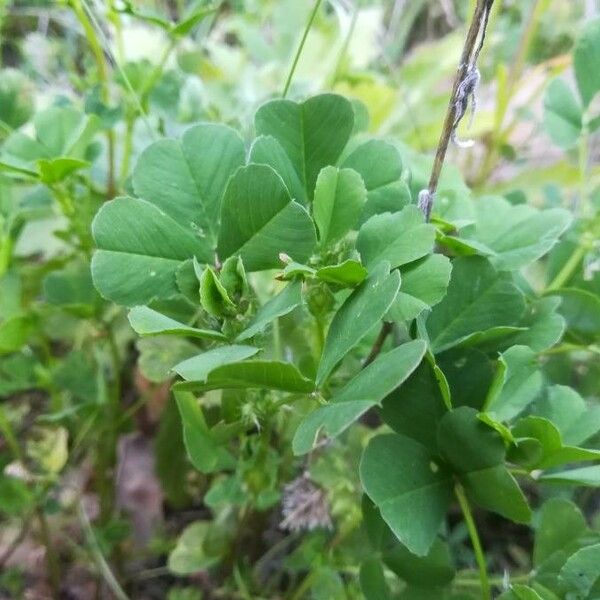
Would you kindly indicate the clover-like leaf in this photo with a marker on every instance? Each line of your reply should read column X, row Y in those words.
column 260, row 374
column 562, row 114
column 380, row 166
column 312, row 133
column 519, row 234
column 259, row 221
column 339, row 198
column 148, row 322
column 479, row 298
column 205, row 452
column 548, row 449
column 586, row 58
column 197, row 368
column 398, row 238
column 519, row 385
column 411, row 491
column 282, row 304
column 186, row 178
column 476, row 453
column 570, row 413
column 360, row 312
column 365, row 390
column 139, row 251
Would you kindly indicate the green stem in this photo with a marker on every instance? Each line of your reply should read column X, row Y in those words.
column 11, row 438
column 513, row 79
column 127, row 149
column 157, row 71
column 309, row 23
column 569, row 268
column 50, row 554
column 96, row 49
column 345, row 46
column 304, row 586
column 464, row 580
column 98, row 557
column 475, row 541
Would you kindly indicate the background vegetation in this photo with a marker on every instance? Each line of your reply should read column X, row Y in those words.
column 453, row 364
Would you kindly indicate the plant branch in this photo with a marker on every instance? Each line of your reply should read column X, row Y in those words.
column 309, row 23
column 473, row 44
column 475, row 541
column 386, row 329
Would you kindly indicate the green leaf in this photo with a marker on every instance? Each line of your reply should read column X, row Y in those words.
column 469, row 375
column 57, row 169
column 561, row 524
column 586, row 476
column 206, row 454
column 339, row 198
column 198, row 367
column 72, row 289
column 171, row 464
column 427, row 279
column 17, row 98
column 139, row 251
column 312, row 133
column 424, row 284
column 545, row 325
column 186, row 178
column 15, row 496
column 350, row 273
column 14, row 333
column 195, row 549
column 213, row 296
column 415, row 408
column 365, row 390
column 553, row 451
column 581, row 309
column 372, row 580
column 360, row 312
column 562, row 114
column 410, row 490
column 518, row 234
column 158, row 355
column 398, row 238
column 186, row 25
column 495, row 489
column 282, row 304
column 267, row 374
column 521, row 383
column 479, row 298
column 266, row 150
column 467, row 443
column 586, row 58
column 432, row 570
column 380, row 166
column 570, row 413
column 476, row 452
column 146, row 321
column 259, row 221
column 582, row 569
column 60, row 132
column 18, row 373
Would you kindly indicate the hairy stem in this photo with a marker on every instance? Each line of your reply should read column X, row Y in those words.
column 475, row 29
column 475, row 541
column 309, row 23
